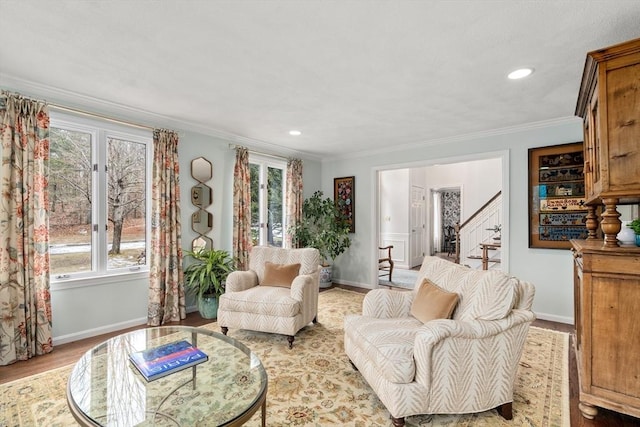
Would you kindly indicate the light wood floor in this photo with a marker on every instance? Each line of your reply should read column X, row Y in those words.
column 67, row 354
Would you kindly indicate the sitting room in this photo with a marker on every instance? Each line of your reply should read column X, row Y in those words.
column 320, row 213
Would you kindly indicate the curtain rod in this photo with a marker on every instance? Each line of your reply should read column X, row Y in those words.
column 234, row 146
column 100, row 116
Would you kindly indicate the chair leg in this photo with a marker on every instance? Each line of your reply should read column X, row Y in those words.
column 506, row 410
column 397, row 422
column 290, row 338
column 224, row 330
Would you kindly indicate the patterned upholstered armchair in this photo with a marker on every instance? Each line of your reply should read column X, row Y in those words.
column 269, row 297
column 467, row 363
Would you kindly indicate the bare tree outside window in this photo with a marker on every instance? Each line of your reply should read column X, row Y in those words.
column 96, row 227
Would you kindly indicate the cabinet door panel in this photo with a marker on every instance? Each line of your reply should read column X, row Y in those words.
column 614, row 335
column 623, row 111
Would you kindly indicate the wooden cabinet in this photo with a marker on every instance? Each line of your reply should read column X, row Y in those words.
column 607, row 276
column 607, row 307
column 609, row 103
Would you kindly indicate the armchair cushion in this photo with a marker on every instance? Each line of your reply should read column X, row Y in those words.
column 270, row 301
column 279, row 274
column 431, row 302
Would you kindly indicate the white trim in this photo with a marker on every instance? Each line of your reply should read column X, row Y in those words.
column 555, row 318
column 88, row 333
column 146, row 118
column 453, row 139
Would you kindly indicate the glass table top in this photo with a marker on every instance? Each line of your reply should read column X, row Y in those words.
column 105, row 388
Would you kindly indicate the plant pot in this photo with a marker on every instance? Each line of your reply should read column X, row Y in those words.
column 326, row 276
column 626, row 236
column 208, row 307
column 637, row 239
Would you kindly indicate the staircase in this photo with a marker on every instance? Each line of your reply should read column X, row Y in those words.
column 479, row 229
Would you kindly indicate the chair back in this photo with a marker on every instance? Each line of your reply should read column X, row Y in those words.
column 308, row 258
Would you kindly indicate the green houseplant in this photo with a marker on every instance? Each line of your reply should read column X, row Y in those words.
column 204, row 277
column 635, row 226
column 322, row 227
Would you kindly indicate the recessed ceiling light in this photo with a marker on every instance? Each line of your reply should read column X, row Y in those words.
column 295, row 132
column 520, row 73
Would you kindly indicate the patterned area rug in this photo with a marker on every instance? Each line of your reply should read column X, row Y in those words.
column 315, row 385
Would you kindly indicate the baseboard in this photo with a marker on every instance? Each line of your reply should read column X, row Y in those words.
column 354, row 284
column 64, row 339
column 88, row 333
column 555, row 318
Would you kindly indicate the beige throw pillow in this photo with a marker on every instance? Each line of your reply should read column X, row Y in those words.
column 431, row 302
column 279, row 274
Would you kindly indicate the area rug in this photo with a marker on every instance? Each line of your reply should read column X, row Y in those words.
column 314, row 384
column 401, row 278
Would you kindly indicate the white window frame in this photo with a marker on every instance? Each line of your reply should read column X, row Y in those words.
column 100, row 131
column 265, row 162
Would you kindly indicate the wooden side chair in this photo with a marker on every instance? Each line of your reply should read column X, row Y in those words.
column 385, row 263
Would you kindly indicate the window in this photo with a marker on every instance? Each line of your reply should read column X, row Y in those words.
column 99, row 178
column 268, row 186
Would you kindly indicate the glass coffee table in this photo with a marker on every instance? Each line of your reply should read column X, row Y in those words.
column 105, row 389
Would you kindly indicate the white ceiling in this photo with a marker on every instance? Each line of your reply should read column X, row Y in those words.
column 351, row 75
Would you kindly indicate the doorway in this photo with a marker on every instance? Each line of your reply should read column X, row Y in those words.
column 472, row 179
column 445, row 214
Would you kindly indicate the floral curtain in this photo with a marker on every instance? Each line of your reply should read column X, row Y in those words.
column 242, row 209
column 293, row 195
column 25, row 300
column 166, row 289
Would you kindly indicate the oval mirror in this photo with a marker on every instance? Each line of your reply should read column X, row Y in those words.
column 201, row 169
column 201, row 242
column 201, row 195
column 202, row 221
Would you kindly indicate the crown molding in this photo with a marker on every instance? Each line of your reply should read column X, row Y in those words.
column 459, row 138
column 117, row 111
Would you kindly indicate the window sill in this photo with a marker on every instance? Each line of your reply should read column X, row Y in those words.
column 107, row 279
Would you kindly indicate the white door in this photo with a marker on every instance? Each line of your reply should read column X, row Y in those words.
column 418, row 226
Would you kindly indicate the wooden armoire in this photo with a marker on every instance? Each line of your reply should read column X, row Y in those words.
column 607, row 275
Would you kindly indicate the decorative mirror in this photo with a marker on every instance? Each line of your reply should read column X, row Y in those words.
column 201, row 197
column 202, row 221
column 201, row 169
column 201, row 242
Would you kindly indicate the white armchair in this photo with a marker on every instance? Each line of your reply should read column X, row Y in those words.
column 250, row 304
column 459, row 365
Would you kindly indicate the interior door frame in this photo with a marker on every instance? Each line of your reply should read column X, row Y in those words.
column 503, row 155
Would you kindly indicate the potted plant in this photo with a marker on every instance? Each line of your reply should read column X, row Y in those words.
column 322, row 227
column 635, row 226
column 204, row 277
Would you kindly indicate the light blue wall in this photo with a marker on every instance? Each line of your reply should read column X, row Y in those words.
column 549, row 270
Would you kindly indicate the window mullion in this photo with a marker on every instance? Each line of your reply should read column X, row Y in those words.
column 99, row 204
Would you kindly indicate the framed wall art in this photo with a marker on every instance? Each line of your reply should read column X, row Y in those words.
column 345, row 199
column 557, row 210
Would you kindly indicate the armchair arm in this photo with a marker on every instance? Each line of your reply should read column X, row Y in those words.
column 452, row 355
column 240, row 280
column 387, row 304
column 305, row 285
column 305, row 288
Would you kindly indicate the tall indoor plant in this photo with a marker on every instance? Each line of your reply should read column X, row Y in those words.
column 323, row 228
column 204, row 277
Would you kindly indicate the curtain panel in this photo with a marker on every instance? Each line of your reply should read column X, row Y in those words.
column 294, row 196
column 241, row 209
column 25, row 299
column 166, row 289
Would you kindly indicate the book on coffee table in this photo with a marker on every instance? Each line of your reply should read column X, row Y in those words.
column 157, row 362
